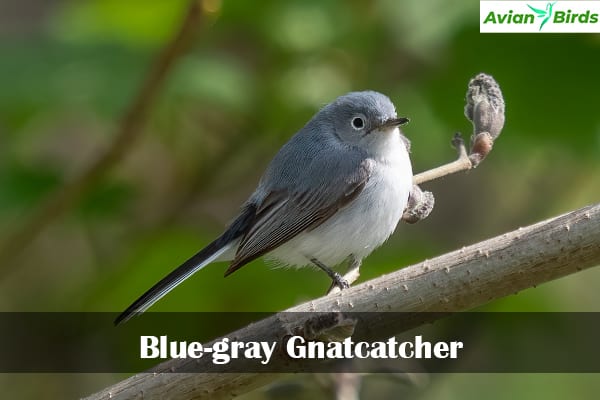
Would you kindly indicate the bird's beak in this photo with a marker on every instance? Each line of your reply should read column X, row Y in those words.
column 394, row 122
column 390, row 123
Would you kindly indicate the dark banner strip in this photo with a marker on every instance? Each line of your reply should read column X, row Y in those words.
column 328, row 342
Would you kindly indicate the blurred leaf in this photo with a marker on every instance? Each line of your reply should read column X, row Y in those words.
column 303, row 25
column 425, row 26
column 221, row 81
column 47, row 77
column 137, row 23
column 22, row 186
column 105, row 200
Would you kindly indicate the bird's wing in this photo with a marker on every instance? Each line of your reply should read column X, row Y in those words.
column 540, row 13
column 284, row 212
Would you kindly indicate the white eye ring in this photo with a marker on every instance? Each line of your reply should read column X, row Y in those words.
column 357, row 123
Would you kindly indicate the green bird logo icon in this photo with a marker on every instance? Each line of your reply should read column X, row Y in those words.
column 545, row 14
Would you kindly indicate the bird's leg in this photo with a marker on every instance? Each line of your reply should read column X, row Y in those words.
column 337, row 280
column 351, row 275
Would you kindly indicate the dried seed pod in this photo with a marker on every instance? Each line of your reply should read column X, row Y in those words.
column 485, row 105
column 485, row 109
column 420, row 204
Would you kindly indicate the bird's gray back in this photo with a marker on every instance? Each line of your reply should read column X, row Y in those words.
column 314, row 158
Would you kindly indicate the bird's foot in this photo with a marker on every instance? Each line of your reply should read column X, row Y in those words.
column 339, row 281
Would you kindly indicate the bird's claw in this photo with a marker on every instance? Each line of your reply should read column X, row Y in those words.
column 340, row 282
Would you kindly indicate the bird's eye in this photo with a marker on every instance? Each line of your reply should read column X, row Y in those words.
column 357, row 123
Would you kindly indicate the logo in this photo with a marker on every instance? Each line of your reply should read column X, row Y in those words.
column 539, row 16
column 545, row 14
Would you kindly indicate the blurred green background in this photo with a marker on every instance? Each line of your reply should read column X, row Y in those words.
column 255, row 73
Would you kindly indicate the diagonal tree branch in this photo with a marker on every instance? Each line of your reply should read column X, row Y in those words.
column 456, row 281
column 129, row 130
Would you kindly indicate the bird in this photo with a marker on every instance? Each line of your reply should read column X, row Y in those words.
column 333, row 193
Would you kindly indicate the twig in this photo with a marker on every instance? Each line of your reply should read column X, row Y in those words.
column 129, row 130
column 456, row 281
column 462, row 163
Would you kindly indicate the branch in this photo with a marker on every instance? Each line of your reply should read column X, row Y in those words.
column 456, row 281
column 129, row 130
column 462, row 163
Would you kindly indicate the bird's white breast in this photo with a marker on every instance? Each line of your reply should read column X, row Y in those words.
column 366, row 222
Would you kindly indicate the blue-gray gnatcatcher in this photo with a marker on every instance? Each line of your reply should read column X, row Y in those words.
column 335, row 191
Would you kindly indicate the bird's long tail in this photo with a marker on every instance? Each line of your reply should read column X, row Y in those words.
column 204, row 257
column 201, row 259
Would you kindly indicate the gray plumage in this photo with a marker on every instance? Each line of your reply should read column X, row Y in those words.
column 336, row 189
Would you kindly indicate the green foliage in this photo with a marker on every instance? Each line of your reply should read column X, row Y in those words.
column 256, row 72
column 22, row 186
column 134, row 23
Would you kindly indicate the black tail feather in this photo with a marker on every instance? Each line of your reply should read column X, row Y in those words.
column 235, row 230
